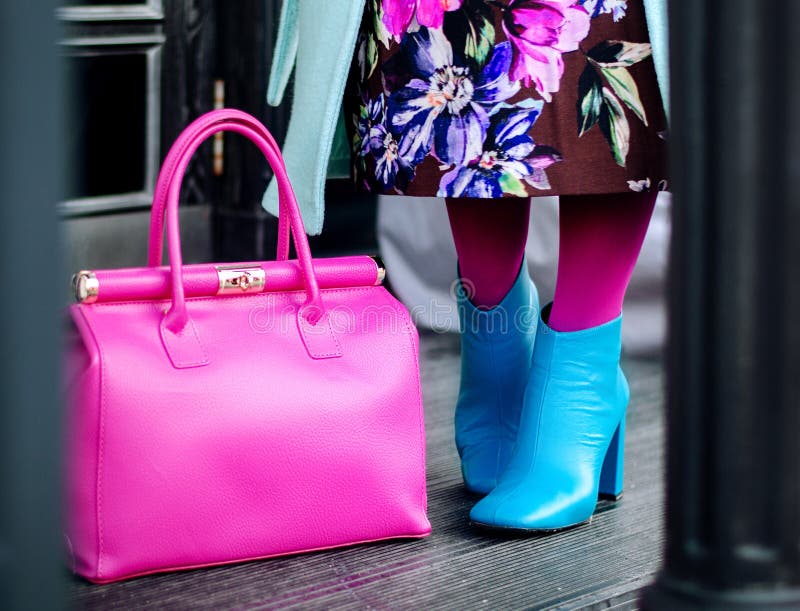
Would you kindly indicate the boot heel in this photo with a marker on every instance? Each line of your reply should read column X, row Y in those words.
column 612, row 471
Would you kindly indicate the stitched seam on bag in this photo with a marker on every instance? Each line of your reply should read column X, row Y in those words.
column 420, row 407
column 166, row 335
column 100, row 448
column 338, row 351
column 322, row 355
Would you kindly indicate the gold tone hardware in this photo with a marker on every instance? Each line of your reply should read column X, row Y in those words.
column 85, row 286
column 381, row 270
column 237, row 279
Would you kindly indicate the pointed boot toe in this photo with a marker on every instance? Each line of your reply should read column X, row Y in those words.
column 509, row 507
column 571, row 435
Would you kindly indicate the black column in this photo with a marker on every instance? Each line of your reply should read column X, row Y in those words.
column 31, row 572
column 733, row 485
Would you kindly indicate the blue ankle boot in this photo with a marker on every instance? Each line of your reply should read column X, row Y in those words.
column 496, row 350
column 571, row 434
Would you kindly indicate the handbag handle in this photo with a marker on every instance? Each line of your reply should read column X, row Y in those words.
column 198, row 132
column 176, row 319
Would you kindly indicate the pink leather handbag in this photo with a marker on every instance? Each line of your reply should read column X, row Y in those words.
column 222, row 413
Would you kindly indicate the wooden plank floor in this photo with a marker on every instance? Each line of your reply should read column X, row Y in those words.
column 600, row 565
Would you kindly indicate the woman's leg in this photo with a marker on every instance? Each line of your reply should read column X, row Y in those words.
column 600, row 238
column 490, row 240
column 570, row 439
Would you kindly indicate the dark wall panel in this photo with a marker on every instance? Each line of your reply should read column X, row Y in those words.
column 30, row 185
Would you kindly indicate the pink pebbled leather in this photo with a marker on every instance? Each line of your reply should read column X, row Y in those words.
column 289, row 420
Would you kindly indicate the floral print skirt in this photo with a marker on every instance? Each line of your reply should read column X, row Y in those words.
column 493, row 98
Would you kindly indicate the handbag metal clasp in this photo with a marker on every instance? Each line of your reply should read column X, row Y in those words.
column 240, row 279
column 85, row 286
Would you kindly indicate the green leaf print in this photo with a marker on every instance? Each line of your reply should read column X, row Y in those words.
column 512, row 185
column 602, row 105
column 367, row 51
column 371, row 60
column 625, row 87
column 618, row 53
column 615, row 126
column 590, row 99
column 381, row 33
column 480, row 40
column 471, row 27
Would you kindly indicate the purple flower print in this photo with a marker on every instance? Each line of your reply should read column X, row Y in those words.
column 373, row 139
column 398, row 14
column 540, row 32
column 617, row 8
column 392, row 167
column 510, row 158
column 445, row 104
column 371, row 112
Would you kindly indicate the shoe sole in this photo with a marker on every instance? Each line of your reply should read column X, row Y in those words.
column 609, row 501
column 512, row 531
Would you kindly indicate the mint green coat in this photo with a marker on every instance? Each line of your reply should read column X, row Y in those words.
column 319, row 38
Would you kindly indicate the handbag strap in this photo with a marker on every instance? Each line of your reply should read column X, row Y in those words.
column 196, row 133
column 178, row 333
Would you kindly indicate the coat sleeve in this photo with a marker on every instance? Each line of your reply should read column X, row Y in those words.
column 284, row 54
column 658, row 28
column 324, row 35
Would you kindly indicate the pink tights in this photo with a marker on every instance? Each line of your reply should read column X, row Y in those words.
column 600, row 237
column 490, row 240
